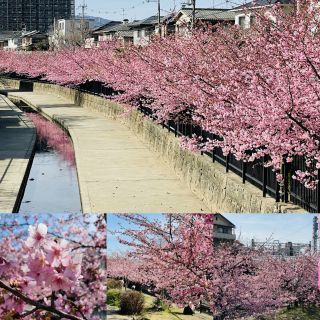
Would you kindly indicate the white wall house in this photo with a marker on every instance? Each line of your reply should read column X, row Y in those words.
column 141, row 37
column 244, row 20
column 145, row 29
column 69, row 32
column 13, row 44
column 245, row 14
column 10, row 41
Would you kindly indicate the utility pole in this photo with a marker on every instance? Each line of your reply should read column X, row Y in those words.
column 159, row 18
column 315, row 234
column 193, row 14
column 83, row 8
column 159, row 14
column 193, row 22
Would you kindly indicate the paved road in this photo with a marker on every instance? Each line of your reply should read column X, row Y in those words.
column 117, row 172
column 17, row 138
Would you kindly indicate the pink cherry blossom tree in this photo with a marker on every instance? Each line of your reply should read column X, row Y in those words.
column 178, row 255
column 256, row 90
column 56, row 271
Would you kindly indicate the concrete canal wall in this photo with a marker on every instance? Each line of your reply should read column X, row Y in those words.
column 220, row 191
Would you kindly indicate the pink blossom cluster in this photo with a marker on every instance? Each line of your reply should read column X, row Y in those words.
column 258, row 89
column 58, row 271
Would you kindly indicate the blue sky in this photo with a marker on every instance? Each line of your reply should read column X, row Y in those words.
column 139, row 9
column 282, row 227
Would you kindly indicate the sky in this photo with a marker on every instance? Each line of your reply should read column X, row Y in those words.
column 296, row 228
column 139, row 9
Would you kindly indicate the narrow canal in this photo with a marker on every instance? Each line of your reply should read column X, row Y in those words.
column 52, row 184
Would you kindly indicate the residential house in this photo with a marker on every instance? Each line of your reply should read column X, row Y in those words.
column 168, row 25
column 145, row 29
column 34, row 40
column 70, row 32
column 224, row 230
column 115, row 30
column 99, row 34
column 203, row 16
column 246, row 13
column 10, row 41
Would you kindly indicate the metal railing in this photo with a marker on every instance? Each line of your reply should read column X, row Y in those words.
column 255, row 172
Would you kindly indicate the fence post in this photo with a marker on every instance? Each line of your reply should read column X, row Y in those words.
column 264, row 177
column 277, row 191
column 227, row 162
column 244, row 171
column 175, row 128
column 318, row 192
column 213, row 156
column 286, row 170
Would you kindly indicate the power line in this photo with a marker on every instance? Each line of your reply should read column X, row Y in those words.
column 122, row 10
column 83, row 8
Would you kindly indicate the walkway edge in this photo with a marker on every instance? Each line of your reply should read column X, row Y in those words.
column 18, row 173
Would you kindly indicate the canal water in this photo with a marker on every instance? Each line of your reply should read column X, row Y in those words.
column 52, row 185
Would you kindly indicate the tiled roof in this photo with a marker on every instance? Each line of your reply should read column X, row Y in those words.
column 9, row 35
column 218, row 16
column 208, row 14
column 153, row 20
column 106, row 25
column 125, row 34
column 260, row 3
column 30, row 33
column 116, row 28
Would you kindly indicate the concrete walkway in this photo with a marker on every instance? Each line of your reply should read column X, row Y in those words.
column 17, row 138
column 117, row 172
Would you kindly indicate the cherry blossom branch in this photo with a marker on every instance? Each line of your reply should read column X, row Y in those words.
column 37, row 304
column 28, row 313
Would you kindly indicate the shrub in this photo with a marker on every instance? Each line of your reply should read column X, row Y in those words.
column 114, row 284
column 113, row 297
column 131, row 303
column 160, row 305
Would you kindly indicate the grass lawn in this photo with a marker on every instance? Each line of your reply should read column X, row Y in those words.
column 292, row 314
column 174, row 313
column 299, row 314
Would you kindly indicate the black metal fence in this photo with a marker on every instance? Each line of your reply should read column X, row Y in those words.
column 255, row 172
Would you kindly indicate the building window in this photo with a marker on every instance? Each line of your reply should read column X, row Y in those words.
column 252, row 20
column 242, row 22
column 223, row 229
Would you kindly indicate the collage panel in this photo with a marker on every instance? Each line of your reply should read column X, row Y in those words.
column 214, row 266
column 52, row 267
column 159, row 160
